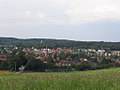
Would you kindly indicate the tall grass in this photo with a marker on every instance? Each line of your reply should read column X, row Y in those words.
column 88, row 80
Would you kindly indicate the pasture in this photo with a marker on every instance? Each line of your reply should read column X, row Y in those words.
column 107, row 79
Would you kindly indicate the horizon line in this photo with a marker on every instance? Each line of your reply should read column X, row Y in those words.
column 57, row 39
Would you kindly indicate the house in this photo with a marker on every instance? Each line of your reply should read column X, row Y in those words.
column 3, row 57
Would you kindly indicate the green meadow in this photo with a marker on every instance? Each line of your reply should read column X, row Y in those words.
column 107, row 79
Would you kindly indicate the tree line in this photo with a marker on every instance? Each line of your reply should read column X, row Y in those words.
column 55, row 43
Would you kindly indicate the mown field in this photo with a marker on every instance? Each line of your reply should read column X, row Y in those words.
column 108, row 79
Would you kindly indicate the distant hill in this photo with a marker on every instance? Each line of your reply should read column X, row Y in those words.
column 54, row 43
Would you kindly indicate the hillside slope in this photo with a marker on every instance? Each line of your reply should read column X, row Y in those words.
column 54, row 43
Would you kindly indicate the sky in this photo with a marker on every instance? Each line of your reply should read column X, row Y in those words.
column 87, row 20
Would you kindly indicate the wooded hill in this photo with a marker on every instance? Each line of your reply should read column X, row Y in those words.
column 56, row 43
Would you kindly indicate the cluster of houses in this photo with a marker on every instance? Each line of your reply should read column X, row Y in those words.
column 60, row 56
column 5, row 53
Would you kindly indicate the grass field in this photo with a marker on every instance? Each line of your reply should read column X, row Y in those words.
column 108, row 79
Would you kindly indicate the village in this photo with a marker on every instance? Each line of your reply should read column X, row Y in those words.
column 64, row 57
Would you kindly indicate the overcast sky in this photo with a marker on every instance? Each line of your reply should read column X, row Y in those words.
column 62, row 19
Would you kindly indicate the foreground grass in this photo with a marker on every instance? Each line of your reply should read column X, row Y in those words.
column 108, row 79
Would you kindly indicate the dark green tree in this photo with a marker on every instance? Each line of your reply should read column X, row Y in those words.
column 35, row 65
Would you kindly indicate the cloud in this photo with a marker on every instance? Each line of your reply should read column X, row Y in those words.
column 82, row 11
column 59, row 11
column 20, row 17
